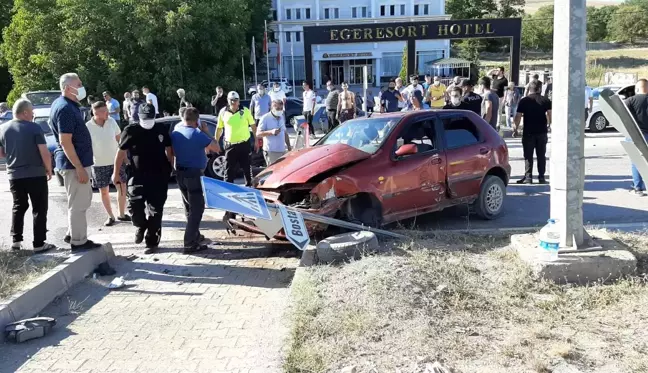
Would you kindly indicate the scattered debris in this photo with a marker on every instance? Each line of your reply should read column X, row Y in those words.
column 131, row 257
column 117, row 283
column 156, row 259
column 436, row 367
column 24, row 330
column 104, row 269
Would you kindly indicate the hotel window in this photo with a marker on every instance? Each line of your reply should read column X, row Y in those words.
column 359, row 12
column 288, row 39
column 307, row 12
column 288, row 13
column 382, row 11
column 297, row 37
column 298, row 13
column 331, row 13
column 402, row 10
column 421, row 9
column 274, row 15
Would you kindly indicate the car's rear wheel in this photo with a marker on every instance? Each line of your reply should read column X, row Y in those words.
column 216, row 167
column 598, row 122
column 490, row 203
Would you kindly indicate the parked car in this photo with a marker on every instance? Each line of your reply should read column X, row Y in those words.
column 43, row 122
column 389, row 167
column 216, row 161
column 283, row 83
column 596, row 121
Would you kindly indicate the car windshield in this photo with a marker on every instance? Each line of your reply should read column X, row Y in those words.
column 42, row 98
column 43, row 122
column 366, row 134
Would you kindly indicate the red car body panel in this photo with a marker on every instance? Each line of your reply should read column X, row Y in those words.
column 326, row 176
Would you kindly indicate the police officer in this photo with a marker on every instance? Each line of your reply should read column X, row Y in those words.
column 236, row 121
column 150, row 153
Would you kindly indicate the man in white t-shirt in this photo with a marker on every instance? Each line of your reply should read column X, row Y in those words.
column 151, row 99
column 276, row 93
column 414, row 86
column 309, row 107
column 105, row 135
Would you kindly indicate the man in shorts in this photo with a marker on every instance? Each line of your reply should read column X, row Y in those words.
column 105, row 135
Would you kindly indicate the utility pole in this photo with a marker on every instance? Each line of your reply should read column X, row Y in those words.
column 567, row 130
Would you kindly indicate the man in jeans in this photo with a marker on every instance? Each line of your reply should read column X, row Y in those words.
column 309, row 97
column 536, row 110
column 29, row 167
column 189, row 144
column 638, row 107
column 74, row 158
column 331, row 105
column 272, row 129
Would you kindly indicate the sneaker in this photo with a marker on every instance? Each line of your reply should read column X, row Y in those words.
column 110, row 222
column 194, row 249
column 45, row 247
column 88, row 245
column 124, row 218
column 151, row 249
column 139, row 235
column 67, row 238
column 638, row 192
column 16, row 246
column 524, row 180
column 542, row 180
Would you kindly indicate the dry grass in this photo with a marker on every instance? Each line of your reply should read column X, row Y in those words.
column 470, row 301
column 16, row 269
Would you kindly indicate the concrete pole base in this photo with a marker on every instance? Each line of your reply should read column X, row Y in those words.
column 609, row 263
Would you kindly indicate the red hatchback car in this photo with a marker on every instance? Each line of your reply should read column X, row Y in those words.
column 390, row 167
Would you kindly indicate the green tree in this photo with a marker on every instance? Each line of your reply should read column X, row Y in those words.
column 510, row 8
column 121, row 44
column 627, row 24
column 598, row 20
column 537, row 29
column 469, row 9
column 403, row 71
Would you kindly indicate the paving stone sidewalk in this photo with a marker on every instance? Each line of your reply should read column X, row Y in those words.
column 220, row 311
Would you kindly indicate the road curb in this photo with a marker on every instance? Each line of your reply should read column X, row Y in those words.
column 43, row 290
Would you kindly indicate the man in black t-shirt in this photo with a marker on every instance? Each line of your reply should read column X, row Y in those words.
column 499, row 82
column 150, row 153
column 455, row 100
column 473, row 101
column 536, row 110
column 638, row 107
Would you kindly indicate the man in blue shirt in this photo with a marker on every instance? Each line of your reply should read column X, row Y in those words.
column 74, row 158
column 189, row 144
column 113, row 106
column 390, row 98
column 260, row 104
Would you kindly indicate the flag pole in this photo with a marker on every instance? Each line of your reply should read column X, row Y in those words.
column 265, row 46
column 253, row 61
column 292, row 57
column 243, row 67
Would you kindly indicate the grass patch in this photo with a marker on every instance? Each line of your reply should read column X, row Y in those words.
column 470, row 301
column 16, row 269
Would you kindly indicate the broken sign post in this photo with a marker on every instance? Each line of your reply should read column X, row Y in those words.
column 234, row 198
column 294, row 227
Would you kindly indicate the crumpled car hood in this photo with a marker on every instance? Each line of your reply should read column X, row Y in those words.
column 301, row 165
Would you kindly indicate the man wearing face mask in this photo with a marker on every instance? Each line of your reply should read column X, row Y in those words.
column 260, row 104
column 456, row 95
column 437, row 94
column 148, row 146
column 456, row 82
column 272, row 129
column 135, row 106
column 74, row 157
column 331, row 104
column 472, row 100
column 390, row 99
column 277, row 93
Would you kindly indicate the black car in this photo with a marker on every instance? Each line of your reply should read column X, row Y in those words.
column 216, row 161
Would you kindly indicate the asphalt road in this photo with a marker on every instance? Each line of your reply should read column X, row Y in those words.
column 606, row 200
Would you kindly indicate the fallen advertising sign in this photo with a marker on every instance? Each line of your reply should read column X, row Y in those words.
column 234, row 198
column 294, row 227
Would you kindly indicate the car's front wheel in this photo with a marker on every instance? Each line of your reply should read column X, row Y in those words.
column 490, row 203
column 598, row 122
column 216, row 167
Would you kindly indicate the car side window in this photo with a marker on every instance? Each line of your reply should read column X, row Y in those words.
column 627, row 92
column 419, row 133
column 459, row 131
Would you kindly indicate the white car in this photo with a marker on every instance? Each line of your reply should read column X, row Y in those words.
column 283, row 83
column 596, row 121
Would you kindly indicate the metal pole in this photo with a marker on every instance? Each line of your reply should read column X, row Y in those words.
column 243, row 67
column 568, row 137
column 365, row 85
column 267, row 49
column 292, row 57
column 256, row 80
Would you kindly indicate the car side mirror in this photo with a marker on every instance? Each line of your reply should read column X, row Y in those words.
column 407, row 149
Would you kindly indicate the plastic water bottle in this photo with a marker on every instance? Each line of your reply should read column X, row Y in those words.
column 550, row 240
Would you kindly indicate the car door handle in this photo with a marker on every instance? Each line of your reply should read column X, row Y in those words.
column 435, row 160
column 483, row 150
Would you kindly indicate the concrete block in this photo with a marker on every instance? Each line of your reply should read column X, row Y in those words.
column 609, row 264
column 309, row 257
column 39, row 294
column 79, row 266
